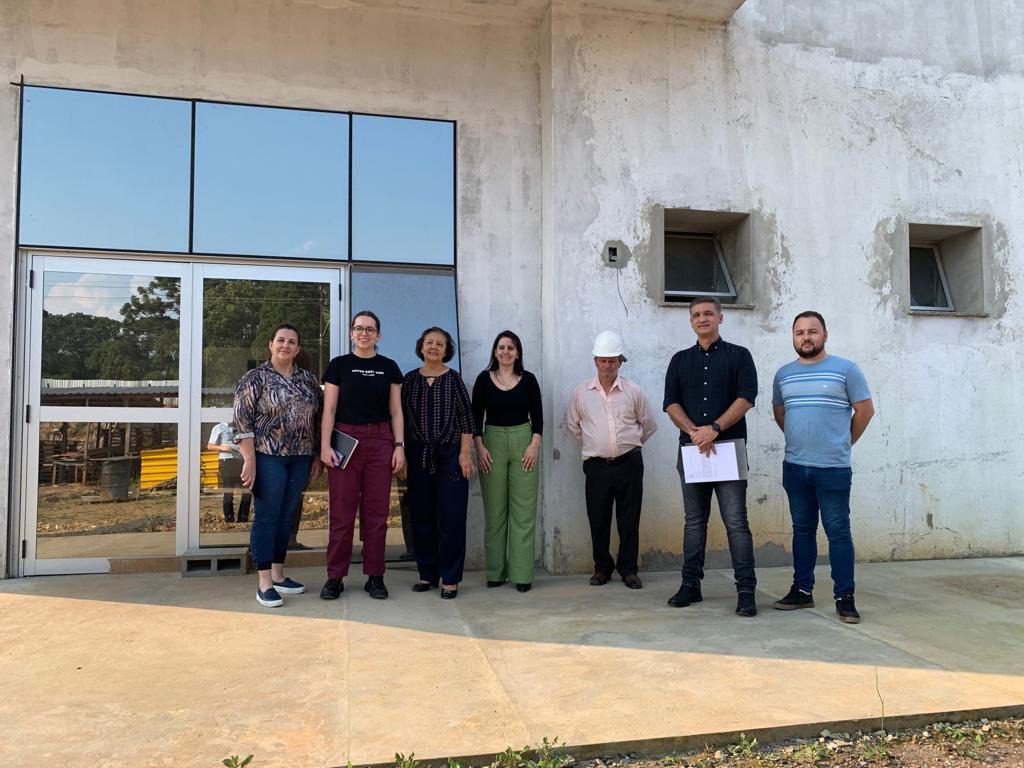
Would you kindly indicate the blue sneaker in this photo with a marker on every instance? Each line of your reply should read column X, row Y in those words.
column 269, row 598
column 289, row 587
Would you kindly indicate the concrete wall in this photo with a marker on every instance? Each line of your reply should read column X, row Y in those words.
column 480, row 71
column 833, row 124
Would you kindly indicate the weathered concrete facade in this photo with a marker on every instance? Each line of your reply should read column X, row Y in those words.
column 832, row 126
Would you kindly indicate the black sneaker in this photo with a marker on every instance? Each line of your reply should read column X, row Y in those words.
column 269, row 598
column 847, row 610
column 796, row 598
column 289, row 587
column 375, row 588
column 685, row 596
column 332, row 589
column 745, row 604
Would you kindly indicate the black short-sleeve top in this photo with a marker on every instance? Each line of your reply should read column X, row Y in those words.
column 508, row 408
column 365, row 387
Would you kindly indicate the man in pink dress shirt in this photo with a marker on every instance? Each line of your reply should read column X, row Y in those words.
column 611, row 419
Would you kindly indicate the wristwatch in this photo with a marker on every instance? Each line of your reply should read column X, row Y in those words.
column 399, row 445
column 715, row 426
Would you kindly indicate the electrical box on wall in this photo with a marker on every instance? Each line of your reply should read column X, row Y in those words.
column 615, row 254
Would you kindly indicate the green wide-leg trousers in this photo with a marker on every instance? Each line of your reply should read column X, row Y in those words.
column 510, row 505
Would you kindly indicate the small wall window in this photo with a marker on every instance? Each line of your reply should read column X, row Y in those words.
column 928, row 286
column 945, row 269
column 696, row 252
column 695, row 266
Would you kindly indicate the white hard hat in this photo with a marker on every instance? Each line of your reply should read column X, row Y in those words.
column 608, row 344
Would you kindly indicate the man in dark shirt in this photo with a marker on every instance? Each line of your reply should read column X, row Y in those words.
column 709, row 387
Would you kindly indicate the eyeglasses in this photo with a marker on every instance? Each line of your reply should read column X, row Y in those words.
column 360, row 329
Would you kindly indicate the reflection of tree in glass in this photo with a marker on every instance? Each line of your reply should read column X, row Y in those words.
column 141, row 346
column 238, row 316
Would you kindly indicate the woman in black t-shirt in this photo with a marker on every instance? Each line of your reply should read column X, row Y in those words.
column 362, row 398
column 507, row 397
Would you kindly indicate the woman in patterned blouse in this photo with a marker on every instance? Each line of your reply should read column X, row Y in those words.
column 277, row 414
column 439, row 439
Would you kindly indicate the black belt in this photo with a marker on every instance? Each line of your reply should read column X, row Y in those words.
column 616, row 459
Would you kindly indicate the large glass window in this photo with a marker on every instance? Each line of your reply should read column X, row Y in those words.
column 106, row 489
column 271, row 182
column 110, row 340
column 105, row 171
column 407, row 304
column 403, row 194
column 238, row 316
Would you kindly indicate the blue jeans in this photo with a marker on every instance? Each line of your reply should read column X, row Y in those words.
column 732, row 503
column 826, row 490
column 280, row 480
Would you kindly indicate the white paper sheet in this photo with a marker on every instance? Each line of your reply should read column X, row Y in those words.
column 723, row 464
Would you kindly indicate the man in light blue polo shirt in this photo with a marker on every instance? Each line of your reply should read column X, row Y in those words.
column 812, row 399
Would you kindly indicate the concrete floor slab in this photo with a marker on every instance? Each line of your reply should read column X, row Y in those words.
column 159, row 670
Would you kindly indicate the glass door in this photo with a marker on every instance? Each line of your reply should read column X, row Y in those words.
column 236, row 309
column 106, row 448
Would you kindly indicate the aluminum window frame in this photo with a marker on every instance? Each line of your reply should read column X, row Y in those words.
column 937, row 256
column 680, row 297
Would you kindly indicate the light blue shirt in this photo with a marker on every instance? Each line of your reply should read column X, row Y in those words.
column 818, row 399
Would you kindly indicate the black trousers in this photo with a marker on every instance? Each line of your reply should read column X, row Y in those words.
column 438, row 513
column 619, row 485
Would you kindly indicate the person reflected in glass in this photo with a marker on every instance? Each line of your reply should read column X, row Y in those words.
column 439, row 433
column 277, row 415
column 229, row 470
column 362, row 399
column 509, row 420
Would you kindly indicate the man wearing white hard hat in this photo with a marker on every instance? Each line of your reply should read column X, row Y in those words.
column 611, row 419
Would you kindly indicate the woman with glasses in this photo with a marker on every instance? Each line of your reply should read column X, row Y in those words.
column 507, row 398
column 361, row 399
column 277, row 412
column 439, row 417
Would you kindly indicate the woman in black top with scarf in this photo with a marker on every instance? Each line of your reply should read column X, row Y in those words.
column 439, row 437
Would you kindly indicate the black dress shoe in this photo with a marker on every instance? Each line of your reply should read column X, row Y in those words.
column 449, row 594
column 375, row 588
column 424, row 586
column 493, row 584
column 598, row 579
column 332, row 589
column 523, row 587
column 632, row 581
column 685, row 596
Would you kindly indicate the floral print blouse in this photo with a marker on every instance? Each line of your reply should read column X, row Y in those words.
column 282, row 413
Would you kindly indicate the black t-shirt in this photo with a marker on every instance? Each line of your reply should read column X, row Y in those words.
column 365, row 384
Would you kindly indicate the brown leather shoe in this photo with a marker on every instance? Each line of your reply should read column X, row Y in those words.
column 598, row 579
column 632, row 581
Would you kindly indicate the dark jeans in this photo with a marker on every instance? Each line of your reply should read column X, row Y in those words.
column 438, row 513
column 824, row 490
column 619, row 484
column 732, row 504
column 280, row 480
column 230, row 477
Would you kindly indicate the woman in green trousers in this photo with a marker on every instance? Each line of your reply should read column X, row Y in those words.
column 509, row 422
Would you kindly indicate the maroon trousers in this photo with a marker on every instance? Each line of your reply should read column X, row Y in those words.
column 363, row 488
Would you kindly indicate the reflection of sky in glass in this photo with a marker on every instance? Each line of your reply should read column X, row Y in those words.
column 407, row 304
column 105, row 171
column 65, row 293
column 271, row 182
column 402, row 190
